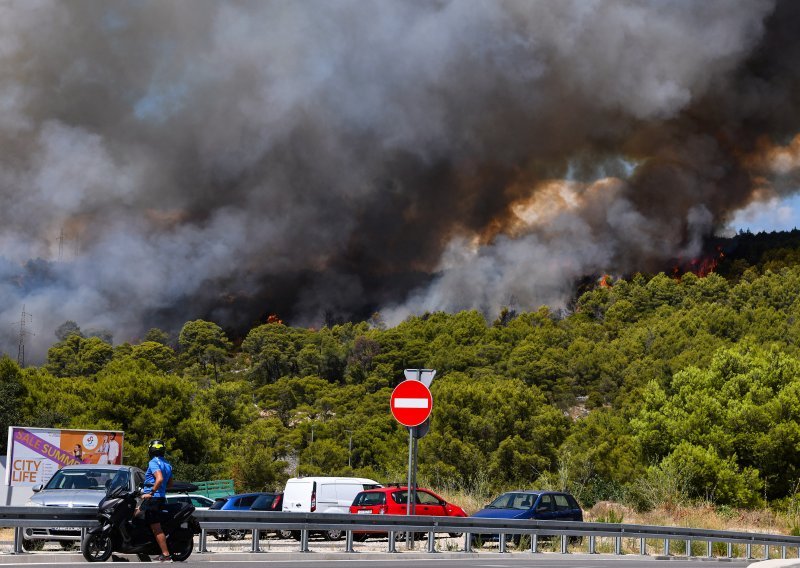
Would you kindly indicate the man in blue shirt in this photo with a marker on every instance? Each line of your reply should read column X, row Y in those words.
column 154, row 493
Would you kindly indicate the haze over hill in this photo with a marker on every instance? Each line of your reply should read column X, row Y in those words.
column 167, row 161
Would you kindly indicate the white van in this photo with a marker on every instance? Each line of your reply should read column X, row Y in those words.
column 324, row 495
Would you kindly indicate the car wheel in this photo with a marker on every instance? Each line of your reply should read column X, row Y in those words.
column 66, row 544
column 236, row 534
column 296, row 535
column 285, row 534
column 334, row 534
column 455, row 535
column 96, row 547
column 30, row 545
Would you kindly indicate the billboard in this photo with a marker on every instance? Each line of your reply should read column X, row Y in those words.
column 35, row 454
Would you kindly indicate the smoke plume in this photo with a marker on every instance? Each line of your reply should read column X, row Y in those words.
column 164, row 161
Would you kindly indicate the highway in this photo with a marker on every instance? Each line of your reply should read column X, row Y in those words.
column 417, row 560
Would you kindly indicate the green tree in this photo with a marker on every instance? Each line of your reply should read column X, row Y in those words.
column 12, row 393
column 203, row 343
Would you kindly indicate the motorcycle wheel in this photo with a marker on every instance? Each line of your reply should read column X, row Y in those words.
column 181, row 548
column 96, row 547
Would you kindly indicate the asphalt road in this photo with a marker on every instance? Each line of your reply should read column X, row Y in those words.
column 415, row 560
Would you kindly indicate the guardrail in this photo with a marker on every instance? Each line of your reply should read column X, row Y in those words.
column 471, row 528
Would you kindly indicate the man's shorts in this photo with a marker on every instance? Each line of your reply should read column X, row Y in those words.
column 152, row 509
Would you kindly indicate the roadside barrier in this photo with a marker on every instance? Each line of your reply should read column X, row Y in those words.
column 672, row 541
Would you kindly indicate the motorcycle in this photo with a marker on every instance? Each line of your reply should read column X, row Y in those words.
column 121, row 530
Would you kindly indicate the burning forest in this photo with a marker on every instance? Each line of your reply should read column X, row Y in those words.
column 230, row 160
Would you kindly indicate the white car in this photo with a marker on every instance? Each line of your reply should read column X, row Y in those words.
column 324, row 495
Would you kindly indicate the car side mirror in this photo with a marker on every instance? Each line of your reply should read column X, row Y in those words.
column 37, row 488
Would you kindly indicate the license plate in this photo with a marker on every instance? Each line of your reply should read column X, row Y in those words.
column 365, row 512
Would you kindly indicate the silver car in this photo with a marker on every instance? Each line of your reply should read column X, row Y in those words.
column 76, row 486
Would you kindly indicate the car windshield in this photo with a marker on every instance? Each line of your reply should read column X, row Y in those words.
column 95, row 479
column 520, row 501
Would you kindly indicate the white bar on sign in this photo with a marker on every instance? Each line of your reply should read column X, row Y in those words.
column 411, row 403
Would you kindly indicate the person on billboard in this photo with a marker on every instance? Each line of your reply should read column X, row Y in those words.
column 154, row 494
column 102, row 451
column 77, row 453
column 113, row 449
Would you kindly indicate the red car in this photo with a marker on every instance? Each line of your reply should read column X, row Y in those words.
column 393, row 500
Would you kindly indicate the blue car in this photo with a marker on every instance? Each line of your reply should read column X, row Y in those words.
column 245, row 502
column 531, row 504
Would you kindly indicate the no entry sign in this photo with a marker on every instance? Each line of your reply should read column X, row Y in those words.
column 411, row 403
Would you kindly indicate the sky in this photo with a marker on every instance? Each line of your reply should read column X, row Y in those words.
column 777, row 214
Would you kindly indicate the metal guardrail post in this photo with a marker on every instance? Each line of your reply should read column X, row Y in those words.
column 688, row 549
column 18, row 540
column 503, row 543
column 564, row 549
column 766, row 552
column 467, row 542
column 255, row 546
column 535, row 543
column 783, row 553
column 618, row 545
column 730, row 550
column 666, row 547
column 431, row 542
column 592, row 545
column 749, row 551
column 642, row 547
column 709, row 551
column 304, row 541
column 392, row 542
column 348, row 541
column 201, row 545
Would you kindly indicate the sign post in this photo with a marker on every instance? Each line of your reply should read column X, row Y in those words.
column 411, row 404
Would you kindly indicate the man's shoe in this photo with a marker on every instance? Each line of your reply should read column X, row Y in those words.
column 163, row 558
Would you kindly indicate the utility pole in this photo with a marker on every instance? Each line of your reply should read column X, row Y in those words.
column 23, row 320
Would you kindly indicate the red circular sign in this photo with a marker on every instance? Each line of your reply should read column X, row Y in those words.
column 411, row 403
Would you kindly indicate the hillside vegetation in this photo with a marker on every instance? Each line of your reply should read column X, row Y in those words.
column 653, row 391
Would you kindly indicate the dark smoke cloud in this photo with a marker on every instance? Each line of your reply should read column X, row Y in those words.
column 325, row 159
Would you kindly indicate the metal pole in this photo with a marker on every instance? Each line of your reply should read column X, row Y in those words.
column 592, row 545
column 431, row 541
column 201, row 546
column 409, row 501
